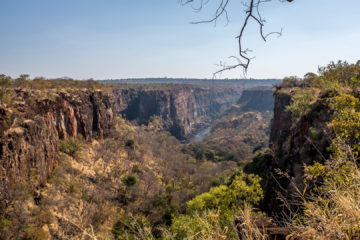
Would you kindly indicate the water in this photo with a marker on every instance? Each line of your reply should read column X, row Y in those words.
column 202, row 134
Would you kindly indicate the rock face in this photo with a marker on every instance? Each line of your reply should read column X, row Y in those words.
column 182, row 109
column 31, row 130
column 293, row 145
column 257, row 99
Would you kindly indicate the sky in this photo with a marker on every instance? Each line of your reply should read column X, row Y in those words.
column 110, row 39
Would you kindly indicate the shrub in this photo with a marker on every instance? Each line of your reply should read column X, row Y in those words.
column 244, row 189
column 130, row 180
column 4, row 80
column 70, row 147
column 301, row 103
column 289, row 82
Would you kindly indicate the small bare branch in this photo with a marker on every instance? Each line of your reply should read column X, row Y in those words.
column 252, row 11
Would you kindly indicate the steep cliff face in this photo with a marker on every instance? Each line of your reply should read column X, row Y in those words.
column 294, row 145
column 182, row 109
column 32, row 127
column 257, row 99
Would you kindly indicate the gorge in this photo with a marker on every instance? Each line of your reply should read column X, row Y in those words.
column 85, row 160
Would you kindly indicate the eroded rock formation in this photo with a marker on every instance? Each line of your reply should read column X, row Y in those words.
column 182, row 109
column 32, row 127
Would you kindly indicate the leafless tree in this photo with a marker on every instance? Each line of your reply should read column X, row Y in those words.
column 252, row 11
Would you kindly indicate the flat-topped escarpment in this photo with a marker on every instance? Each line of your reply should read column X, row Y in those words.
column 257, row 99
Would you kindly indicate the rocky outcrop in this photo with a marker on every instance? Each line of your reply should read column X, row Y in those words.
column 32, row 127
column 294, row 144
column 183, row 109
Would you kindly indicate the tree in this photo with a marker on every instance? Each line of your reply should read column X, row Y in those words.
column 4, row 80
column 251, row 8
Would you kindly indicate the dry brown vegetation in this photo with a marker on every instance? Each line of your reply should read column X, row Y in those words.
column 140, row 171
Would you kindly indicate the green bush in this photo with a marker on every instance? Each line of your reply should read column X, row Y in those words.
column 227, row 199
column 130, row 180
column 301, row 102
column 70, row 147
column 4, row 80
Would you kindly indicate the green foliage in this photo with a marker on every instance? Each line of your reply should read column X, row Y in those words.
column 70, row 146
column 4, row 80
column 244, row 189
column 339, row 74
column 130, row 180
column 214, row 210
column 289, row 82
column 346, row 122
column 301, row 102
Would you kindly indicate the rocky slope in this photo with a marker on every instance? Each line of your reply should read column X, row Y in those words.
column 183, row 109
column 33, row 124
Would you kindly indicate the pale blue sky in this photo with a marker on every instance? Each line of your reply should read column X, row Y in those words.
column 153, row 38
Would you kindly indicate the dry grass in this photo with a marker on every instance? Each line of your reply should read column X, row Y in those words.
column 249, row 230
column 334, row 211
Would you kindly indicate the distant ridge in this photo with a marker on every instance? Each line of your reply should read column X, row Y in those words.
column 197, row 81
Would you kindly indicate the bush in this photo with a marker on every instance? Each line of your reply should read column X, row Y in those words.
column 130, row 180
column 229, row 200
column 301, row 102
column 4, row 80
column 70, row 147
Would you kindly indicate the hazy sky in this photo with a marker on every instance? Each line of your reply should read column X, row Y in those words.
column 153, row 38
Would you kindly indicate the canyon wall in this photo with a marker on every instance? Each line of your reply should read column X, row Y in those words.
column 33, row 125
column 182, row 109
column 294, row 145
column 30, row 129
column 257, row 99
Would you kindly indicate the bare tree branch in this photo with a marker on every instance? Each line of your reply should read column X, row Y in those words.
column 252, row 13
